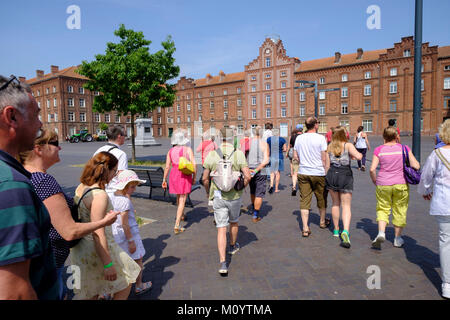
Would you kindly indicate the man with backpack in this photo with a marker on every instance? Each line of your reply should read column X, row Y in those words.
column 116, row 138
column 226, row 166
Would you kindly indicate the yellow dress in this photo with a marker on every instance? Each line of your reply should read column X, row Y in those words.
column 92, row 279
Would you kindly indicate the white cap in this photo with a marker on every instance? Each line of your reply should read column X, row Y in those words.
column 124, row 177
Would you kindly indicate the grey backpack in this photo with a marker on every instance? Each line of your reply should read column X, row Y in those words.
column 224, row 177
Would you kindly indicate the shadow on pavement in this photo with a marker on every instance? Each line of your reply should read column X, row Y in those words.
column 314, row 218
column 154, row 270
column 196, row 215
column 244, row 238
column 426, row 259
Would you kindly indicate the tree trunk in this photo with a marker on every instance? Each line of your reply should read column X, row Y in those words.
column 133, row 146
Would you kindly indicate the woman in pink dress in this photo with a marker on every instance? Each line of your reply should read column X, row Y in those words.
column 179, row 183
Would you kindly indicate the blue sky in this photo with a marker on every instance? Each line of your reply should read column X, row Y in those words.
column 209, row 35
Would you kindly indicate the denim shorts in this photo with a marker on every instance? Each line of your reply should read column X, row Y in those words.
column 226, row 211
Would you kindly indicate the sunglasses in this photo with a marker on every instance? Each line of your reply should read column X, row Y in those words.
column 54, row 143
column 5, row 85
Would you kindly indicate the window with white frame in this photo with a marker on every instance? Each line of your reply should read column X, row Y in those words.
column 188, row 107
column 211, row 104
column 283, row 112
column 253, row 101
column 302, row 96
column 344, row 92
column 48, row 103
column 117, row 118
column 322, row 127
column 188, row 118
column 225, row 103
column 267, row 98
column 283, row 97
column 268, row 113
column 322, row 80
column 407, row 53
column 239, row 114
column 54, row 89
column 367, row 75
column 49, row 117
column 253, row 88
column 96, row 93
column 393, row 72
column 199, row 117
column 253, row 114
column 225, row 92
column 71, row 117
column 47, row 90
column 82, row 117
column 367, row 90
column 322, row 109
column 344, row 108
column 225, row 115
column 344, row 77
column 69, row 89
column 283, row 84
column 96, row 117
column 107, row 118
column 253, row 78
column 367, row 106
column 346, row 124
column 238, row 90
column 199, row 95
column 322, row 95
column 283, row 73
column 70, row 102
column 178, row 108
column 447, row 83
column 447, row 68
column 267, row 62
column 267, row 86
column 302, row 111
column 211, row 93
column 160, row 131
column 422, row 68
column 81, row 90
column 199, row 104
column 367, row 125
column 82, row 104
column 39, row 93
column 393, row 105
column 56, row 116
column 188, row 96
column 393, row 87
column 239, row 102
column 55, row 102
column 178, row 119
column 268, row 76
column 128, row 119
column 240, row 129
column 422, row 85
column 39, row 105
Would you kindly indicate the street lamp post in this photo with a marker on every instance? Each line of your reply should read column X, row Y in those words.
column 417, row 79
column 313, row 84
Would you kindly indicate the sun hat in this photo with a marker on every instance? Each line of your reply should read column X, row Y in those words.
column 179, row 137
column 124, row 177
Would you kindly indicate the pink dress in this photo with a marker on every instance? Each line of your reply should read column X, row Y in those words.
column 179, row 183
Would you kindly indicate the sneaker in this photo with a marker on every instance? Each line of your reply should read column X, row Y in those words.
column 223, row 269
column 378, row 241
column 345, row 239
column 398, row 242
column 336, row 233
column 294, row 192
column 256, row 219
column 446, row 290
column 234, row 249
column 271, row 190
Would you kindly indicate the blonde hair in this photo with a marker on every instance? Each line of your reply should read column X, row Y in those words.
column 339, row 136
column 390, row 134
column 45, row 137
column 129, row 184
column 444, row 131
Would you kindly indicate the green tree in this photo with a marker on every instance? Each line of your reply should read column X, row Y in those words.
column 131, row 79
column 103, row 126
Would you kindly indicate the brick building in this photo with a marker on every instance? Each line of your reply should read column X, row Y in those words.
column 374, row 86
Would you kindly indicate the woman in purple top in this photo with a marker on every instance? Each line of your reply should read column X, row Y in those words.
column 392, row 191
column 37, row 161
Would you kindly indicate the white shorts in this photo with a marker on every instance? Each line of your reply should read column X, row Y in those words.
column 226, row 211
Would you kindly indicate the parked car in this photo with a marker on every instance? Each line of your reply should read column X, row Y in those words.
column 100, row 136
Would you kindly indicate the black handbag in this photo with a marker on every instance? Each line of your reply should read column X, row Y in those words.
column 76, row 217
column 239, row 185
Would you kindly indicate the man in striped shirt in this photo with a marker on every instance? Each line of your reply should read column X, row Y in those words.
column 27, row 267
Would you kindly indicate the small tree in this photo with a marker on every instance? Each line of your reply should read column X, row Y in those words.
column 103, row 126
column 132, row 80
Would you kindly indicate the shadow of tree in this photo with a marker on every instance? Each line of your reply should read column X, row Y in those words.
column 154, row 270
column 314, row 218
column 266, row 208
column 196, row 215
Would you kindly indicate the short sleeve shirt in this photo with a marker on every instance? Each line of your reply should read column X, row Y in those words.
column 24, row 228
column 277, row 143
column 46, row 186
column 121, row 157
column 239, row 162
column 122, row 204
column 309, row 147
column 391, row 165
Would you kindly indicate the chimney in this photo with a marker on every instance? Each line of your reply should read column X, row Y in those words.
column 222, row 75
column 39, row 74
column 359, row 53
column 54, row 69
column 337, row 57
column 22, row 79
column 208, row 77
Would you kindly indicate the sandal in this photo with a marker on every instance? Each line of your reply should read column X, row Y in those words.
column 145, row 287
column 325, row 224
column 306, row 234
column 183, row 217
column 178, row 229
column 105, row 296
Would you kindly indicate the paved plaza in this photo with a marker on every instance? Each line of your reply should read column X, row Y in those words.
column 275, row 262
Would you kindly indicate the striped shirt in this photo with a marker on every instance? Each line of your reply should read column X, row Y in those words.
column 24, row 228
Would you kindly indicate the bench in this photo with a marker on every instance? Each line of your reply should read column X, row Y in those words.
column 154, row 177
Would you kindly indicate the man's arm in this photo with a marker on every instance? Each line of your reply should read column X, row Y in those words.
column 325, row 161
column 205, row 180
column 15, row 283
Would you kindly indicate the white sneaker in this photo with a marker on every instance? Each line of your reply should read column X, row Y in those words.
column 398, row 242
column 378, row 241
column 446, row 290
column 210, row 203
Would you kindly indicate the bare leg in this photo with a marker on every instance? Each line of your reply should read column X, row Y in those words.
column 346, row 201
column 398, row 231
column 258, row 203
column 180, row 209
column 122, row 295
column 139, row 278
column 323, row 213
column 305, row 217
column 272, row 175
column 335, row 209
column 277, row 180
column 234, row 227
column 222, row 242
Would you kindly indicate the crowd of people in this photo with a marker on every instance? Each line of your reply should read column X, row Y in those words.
column 42, row 226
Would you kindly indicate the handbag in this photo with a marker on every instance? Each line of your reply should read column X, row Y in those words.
column 239, row 185
column 184, row 165
column 412, row 176
column 76, row 217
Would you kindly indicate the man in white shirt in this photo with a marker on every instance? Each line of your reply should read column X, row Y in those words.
column 116, row 138
column 268, row 132
column 310, row 150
